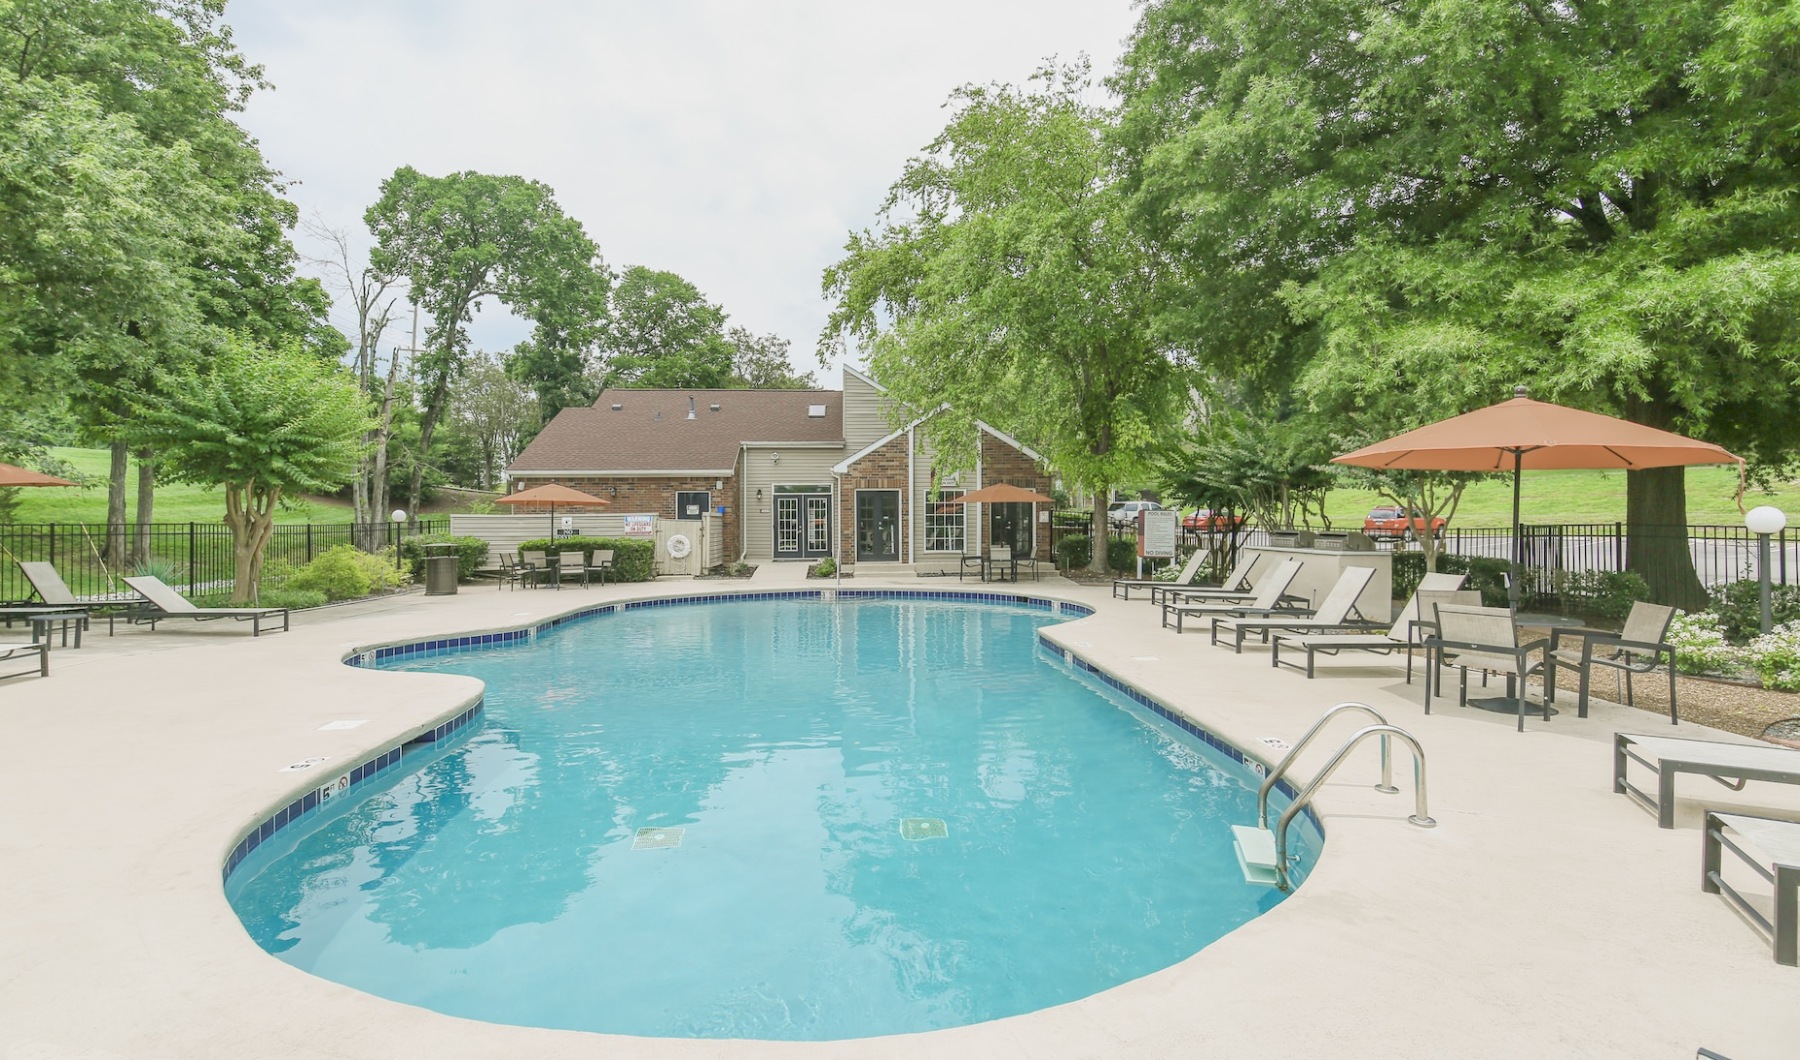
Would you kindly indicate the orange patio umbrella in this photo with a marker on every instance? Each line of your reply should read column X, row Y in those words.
column 1523, row 434
column 553, row 495
column 11, row 475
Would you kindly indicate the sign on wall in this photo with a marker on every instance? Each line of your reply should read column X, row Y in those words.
column 640, row 525
column 1157, row 532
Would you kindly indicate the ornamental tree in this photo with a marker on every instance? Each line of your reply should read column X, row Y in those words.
column 261, row 422
column 1005, row 281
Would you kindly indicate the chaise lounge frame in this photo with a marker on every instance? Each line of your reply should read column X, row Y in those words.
column 1731, row 764
column 166, row 603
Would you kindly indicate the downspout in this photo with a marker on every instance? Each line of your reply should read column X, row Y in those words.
column 837, row 536
column 744, row 504
column 980, row 515
column 912, row 538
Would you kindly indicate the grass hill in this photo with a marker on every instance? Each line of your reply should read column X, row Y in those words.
column 175, row 503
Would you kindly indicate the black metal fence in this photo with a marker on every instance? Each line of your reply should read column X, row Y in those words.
column 190, row 556
column 1721, row 553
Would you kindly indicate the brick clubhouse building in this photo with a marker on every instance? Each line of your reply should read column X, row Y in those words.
column 791, row 474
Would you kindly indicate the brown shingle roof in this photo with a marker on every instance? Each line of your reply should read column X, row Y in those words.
column 651, row 432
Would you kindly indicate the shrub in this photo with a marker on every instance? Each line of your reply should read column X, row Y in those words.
column 346, row 572
column 1076, row 551
column 825, row 568
column 1605, row 594
column 1121, row 554
column 471, row 554
column 290, row 598
column 1775, row 656
column 634, row 558
column 1739, row 607
column 1700, row 644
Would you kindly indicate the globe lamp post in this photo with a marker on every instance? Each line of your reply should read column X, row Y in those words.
column 399, row 518
column 1763, row 522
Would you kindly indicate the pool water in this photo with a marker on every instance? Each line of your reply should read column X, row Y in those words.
column 779, row 820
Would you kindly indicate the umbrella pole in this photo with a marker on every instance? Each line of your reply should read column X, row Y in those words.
column 1512, row 588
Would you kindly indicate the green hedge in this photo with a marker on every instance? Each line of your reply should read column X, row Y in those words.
column 471, row 554
column 1739, row 607
column 1075, row 551
column 633, row 557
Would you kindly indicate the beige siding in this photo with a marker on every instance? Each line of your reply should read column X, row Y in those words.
column 797, row 467
column 921, row 491
column 865, row 415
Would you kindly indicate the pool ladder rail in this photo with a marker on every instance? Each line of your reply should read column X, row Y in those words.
column 1262, row 854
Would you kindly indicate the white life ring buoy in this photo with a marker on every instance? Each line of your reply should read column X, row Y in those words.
column 680, row 546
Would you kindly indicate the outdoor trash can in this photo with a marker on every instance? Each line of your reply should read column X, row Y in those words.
column 440, row 576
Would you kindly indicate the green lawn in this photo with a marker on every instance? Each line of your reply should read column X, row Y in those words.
column 1575, row 497
column 175, row 503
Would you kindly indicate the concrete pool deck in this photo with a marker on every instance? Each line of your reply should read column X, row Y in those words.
column 1544, row 916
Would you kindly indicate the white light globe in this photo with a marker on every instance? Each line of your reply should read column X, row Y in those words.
column 1765, row 520
column 399, row 515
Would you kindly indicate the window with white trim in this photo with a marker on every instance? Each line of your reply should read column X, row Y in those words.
column 944, row 522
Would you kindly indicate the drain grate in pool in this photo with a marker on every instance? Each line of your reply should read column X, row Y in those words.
column 656, row 838
column 914, row 829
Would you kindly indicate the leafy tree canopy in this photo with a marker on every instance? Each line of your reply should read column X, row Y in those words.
column 760, row 362
column 664, row 333
column 1006, row 281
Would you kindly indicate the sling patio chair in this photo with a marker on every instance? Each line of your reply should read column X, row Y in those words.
column 1404, row 635
column 599, row 565
column 166, row 603
column 1122, row 586
column 534, row 566
column 1333, row 612
column 40, row 648
column 1483, row 639
column 1639, row 648
column 1270, row 591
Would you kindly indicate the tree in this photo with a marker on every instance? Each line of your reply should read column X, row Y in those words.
column 1271, row 470
column 262, row 423
column 1448, row 199
column 367, row 293
column 760, row 362
column 468, row 236
column 495, row 413
column 1005, row 281
column 662, row 332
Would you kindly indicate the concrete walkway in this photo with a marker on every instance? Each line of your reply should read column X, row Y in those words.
column 1543, row 917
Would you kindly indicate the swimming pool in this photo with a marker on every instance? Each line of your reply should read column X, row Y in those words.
column 779, row 819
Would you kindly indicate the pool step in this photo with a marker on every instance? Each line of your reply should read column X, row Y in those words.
column 1255, row 853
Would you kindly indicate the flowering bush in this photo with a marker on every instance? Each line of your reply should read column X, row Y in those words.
column 1700, row 644
column 1776, row 657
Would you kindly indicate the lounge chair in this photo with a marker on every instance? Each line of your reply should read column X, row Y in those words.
column 1731, row 764
column 1639, row 648
column 1333, row 612
column 54, row 593
column 1236, row 586
column 1483, row 639
column 1269, row 594
column 1122, row 586
column 166, row 603
column 1403, row 635
column 534, row 565
column 41, row 649
column 1779, row 840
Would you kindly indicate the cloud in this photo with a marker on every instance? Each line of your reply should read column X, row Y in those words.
column 734, row 143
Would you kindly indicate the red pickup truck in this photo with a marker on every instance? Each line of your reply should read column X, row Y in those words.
column 1392, row 523
column 1210, row 521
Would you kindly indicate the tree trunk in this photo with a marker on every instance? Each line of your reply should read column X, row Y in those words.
column 115, row 507
column 1101, row 531
column 146, row 506
column 1656, row 540
column 1656, row 543
column 252, row 522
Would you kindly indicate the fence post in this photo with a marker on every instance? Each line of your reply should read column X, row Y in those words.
column 192, row 555
column 53, row 544
column 309, row 552
column 1784, row 580
column 1618, row 546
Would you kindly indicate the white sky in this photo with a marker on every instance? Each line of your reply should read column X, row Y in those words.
column 734, row 143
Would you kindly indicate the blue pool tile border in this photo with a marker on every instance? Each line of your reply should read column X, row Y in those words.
column 309, row 804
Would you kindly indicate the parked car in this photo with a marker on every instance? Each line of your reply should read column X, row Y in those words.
column 1208, row 521
column 1391, row 523
column 1125, row 513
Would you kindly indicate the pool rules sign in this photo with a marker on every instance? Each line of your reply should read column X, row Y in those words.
column 1157, row 531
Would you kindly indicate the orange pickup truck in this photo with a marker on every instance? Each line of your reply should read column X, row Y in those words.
column 1392, row 523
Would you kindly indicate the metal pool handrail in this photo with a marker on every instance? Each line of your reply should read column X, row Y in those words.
column 1419, row 816
column 1386, row 786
